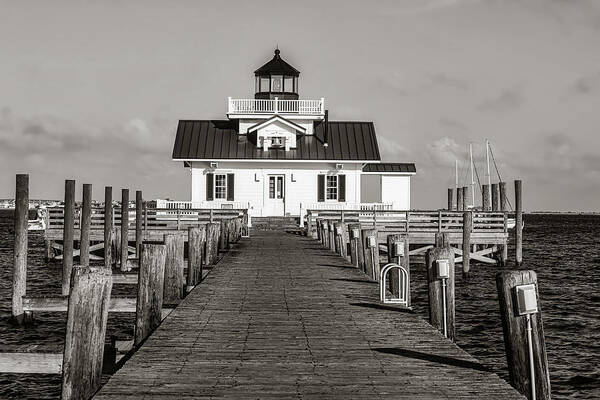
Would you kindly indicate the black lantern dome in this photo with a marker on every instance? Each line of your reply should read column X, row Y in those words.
column 276, row 79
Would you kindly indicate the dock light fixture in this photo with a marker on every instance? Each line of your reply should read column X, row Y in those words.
column 527, row 305
column 443, row 273
column 338, row 230
column 355, row 233
column 214, row 165
column 371, row 241
column 399, row 249
column 339, row 166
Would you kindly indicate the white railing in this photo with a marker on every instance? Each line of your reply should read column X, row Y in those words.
column 276, row 106
column 342, row 206
column 204, row 205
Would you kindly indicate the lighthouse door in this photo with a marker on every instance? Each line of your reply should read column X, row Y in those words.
column 276, row 200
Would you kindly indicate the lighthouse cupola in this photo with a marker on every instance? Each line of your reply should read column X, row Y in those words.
column 276, row 78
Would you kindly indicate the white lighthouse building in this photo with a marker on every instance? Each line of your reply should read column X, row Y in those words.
column 279, row 155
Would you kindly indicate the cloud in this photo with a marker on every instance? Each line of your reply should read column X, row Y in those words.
column 507, row 100
column 392, row 150
column 427, row 6
column 586, row 85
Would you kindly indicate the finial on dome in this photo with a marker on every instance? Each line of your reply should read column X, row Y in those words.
column 277, row 51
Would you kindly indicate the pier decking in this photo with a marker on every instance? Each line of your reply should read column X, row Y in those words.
column 281, row 317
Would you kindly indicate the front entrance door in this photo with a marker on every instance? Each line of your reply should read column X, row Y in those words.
column 276, row 200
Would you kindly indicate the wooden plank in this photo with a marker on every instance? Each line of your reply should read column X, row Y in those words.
column 31, row 363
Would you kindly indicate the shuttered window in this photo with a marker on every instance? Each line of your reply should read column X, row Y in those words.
column 320, row 187
column 332, row 187
column 230, row 187
column 220, row 186
column 210, row 180
column 342, row 188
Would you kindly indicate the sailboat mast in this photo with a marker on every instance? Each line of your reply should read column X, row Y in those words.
column 456, row 174
column 487, row 161
column 472, row 177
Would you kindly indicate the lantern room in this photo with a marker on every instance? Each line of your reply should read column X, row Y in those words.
column 276, row 78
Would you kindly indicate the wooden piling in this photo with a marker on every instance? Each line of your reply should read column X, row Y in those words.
column 139, row 201
column 68, row 235
column 495, row 197
column 212, row 243
column 485, row 197
column 466, row 243
column 332, row 236
column 371, row 253
column 450, row 199
column 108, row 226
column 124, row 229
column 503, row 198
column 518, row 222
column 20, row 246
column 196, row 250
column 355, row 246
column 148, row 314
column 174, row 284
column 465, row 198
column 87, row 315
column 400, row 259
column 85, row 225
column 515, row 336
column 459, row 200
column 223, row 243
column 436, row 313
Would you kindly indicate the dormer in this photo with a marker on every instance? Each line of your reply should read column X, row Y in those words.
column 274, row 133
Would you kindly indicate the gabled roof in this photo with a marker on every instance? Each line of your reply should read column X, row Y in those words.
column 220, row 140
column 390, row 168
column 277, row 118
column 277, row 66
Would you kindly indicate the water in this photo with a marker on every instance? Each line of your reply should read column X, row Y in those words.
column 563, row 249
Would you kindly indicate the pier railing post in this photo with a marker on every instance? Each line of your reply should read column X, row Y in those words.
column 138, row 222
column 20, row 246
column 370, row 248
column 518, row 222
column 440, row 277
column 465, row 197
column 108, row 226
column 502, row 195
column 68, row 234
column 495, row 197
column 148, row 311
column 196, row 250
column 459, row 199
column 85, row 225
column 87, row 315
column 523, row 354
column 397, row 249
column 124, row 229
column 466, row 243
column 355, row 243
column 174, row 282
column 212, row 243
column 485, row 197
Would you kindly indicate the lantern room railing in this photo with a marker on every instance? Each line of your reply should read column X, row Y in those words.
column 275, row 106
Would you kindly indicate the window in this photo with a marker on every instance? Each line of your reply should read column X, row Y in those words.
column 221, row 186
column 277, row 141
column 277, row 83
column 264, row 84
column 276, row 187
column 257, row 84
column 331, row 188
column 288, row 84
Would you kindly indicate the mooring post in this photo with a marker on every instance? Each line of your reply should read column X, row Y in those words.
column 212, row 243
column 87, row 314
column 108, row 226
column 485, row 197
column 223, row 237
column 495, row 197
column 138, row 222
column 450, row 199
column 196, row 250
column 85, row 225
column 148, row 310
column 332, row 241
column 124, row 229
column 465, row 198
column 20, row 246
column 440, row 277
column 397, row 249
column 502, row 195
column 355, row 249
column 523, row 333
column 68, row 235
column 459, row 199
column 466, row 243
column 211, row 220
column 325, row 233
column 504, row 246
column 174, row 282
column 518, row 222
column 370, row 247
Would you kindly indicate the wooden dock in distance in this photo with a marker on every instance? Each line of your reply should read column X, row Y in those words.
column 282, row 317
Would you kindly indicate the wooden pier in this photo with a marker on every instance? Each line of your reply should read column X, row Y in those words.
column 282, row 317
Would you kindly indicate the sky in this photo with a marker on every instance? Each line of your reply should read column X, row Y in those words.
column 93, row 91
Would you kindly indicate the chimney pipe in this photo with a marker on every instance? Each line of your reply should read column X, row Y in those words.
column 326, row 135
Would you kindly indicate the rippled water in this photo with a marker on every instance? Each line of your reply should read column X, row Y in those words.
column 563, row 249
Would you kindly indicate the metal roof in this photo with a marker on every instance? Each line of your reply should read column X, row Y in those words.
column 390, row 168
column 219, row 139
column 277, row 66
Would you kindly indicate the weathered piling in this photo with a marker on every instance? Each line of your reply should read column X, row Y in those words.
column 196, row 253
column 212, row 243
column 354, row 238
column 174, row 282
column 495, row 197
column 370, row 248
column 450, row 199
column 341, row 235
column 20, row 246
column 397, row 250
column 68, row 235
column 138, row 222
column 148, row 311
column 325, row 235
column 108, row 226
column 524, row 355
column 440, row 277
column 87, row 315
column 124, row 229
column 465, row 197
column 332, row 236
column 466, row 243
column 485, row 197
column 502, row 195
column 84, row 225
column 518, row 222
column 459, row 199
column 223, row 242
